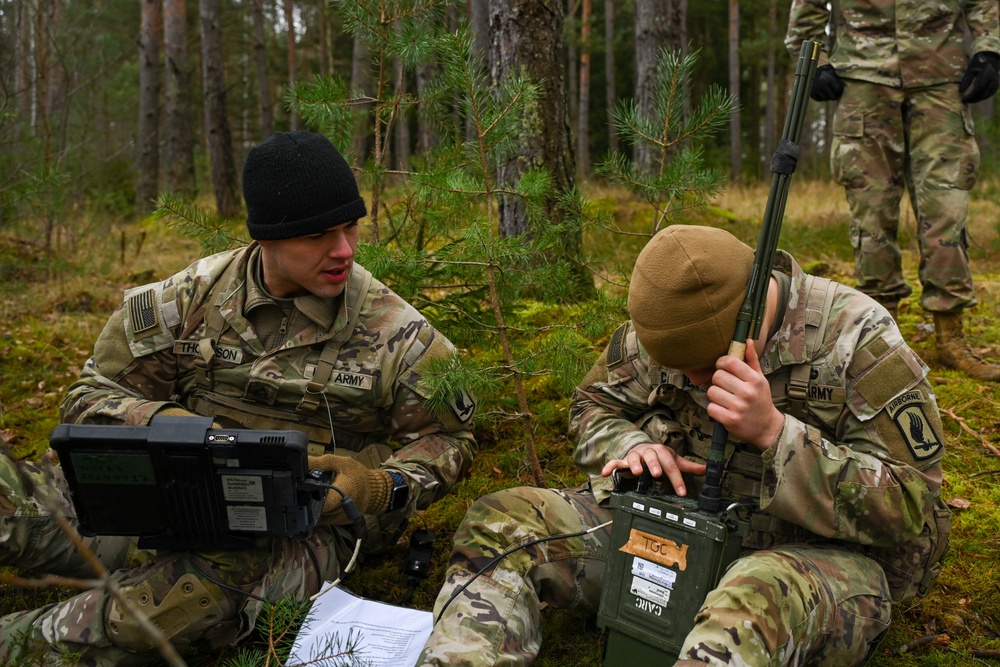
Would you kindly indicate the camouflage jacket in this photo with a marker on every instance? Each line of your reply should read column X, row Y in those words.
column 903, row 44
column 347, row 372
column 859, row 464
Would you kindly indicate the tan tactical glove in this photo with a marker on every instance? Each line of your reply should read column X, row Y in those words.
column 370, row 489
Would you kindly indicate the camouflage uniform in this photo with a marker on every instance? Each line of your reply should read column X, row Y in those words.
column 850, row 484
column 901, row 121
column 210, row 340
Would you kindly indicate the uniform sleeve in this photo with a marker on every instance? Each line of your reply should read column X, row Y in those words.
column 120, row 383
column 876, row 482
column 808, row 20
column 983, row 19
column 608, row 407
column 438, row 445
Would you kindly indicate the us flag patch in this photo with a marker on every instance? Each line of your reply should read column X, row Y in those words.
column 142, row 311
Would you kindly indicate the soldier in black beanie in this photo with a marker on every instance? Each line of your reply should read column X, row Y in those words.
column 285, row 333
column 297, row 183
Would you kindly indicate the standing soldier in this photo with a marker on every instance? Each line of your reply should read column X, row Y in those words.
column 286, row 333
column 904, row 83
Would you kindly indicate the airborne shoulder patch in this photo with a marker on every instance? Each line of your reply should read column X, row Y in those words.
column 907, row 411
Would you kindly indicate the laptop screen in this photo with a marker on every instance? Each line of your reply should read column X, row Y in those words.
column 181, row 484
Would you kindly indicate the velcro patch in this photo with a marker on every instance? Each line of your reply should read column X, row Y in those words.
column 227, row 353
column 143, row 312
column 616, row 348
column 908, row 412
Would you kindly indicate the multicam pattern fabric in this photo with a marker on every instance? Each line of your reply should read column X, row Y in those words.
column 903, row 44
column 884, row 138
column 262, row 358
column 852, row 481
column 901, row 123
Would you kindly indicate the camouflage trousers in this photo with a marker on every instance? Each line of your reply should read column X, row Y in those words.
column 884, row 139
column 794, row 605
column 199, row 601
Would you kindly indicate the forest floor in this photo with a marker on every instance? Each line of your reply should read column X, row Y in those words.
column 53, row 309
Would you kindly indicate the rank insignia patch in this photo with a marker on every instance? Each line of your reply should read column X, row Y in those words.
column 142, row 311
column 908, row 413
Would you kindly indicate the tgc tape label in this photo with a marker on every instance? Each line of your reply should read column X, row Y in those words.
column 647, row 590
column 652, row 572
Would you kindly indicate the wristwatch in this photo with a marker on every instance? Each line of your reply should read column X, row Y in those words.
column 400, row 492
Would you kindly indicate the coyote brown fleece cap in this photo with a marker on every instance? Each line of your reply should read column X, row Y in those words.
column 687, row 288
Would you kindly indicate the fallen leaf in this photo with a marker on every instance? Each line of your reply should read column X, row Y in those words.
column 958, row 503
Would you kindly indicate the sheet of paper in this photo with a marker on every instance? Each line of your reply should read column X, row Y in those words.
column 386, row 635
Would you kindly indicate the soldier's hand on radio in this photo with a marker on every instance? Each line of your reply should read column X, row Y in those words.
column 660, row 460
column 368, row 488
column 740, row 398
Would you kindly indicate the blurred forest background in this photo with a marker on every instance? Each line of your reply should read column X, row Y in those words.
column 515, row 156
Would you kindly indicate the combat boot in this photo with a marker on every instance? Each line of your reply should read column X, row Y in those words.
column 954, row 351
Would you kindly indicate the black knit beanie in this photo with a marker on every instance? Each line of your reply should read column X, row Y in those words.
column 297, row 183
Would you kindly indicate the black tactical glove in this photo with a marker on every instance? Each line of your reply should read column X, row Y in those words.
column 368, row 488
column 827, row 86
column 981, row 78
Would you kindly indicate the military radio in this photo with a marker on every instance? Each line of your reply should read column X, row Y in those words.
column 667, row 552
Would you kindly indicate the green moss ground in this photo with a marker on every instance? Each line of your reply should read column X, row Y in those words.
column 53, row 310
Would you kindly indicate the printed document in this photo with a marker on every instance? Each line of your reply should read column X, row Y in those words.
column 385, row 635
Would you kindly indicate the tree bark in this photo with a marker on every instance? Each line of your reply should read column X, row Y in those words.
column 479, row 22
column 583, row 131
column 402, row 122
column 263, row 82
column 427, row 138
column 526, row 38
column 735, row 139
column 178, row 148
column 361, row 81
column 609, row 72
column 217, row 132
column 148, row 144
column 293, row 116
column 658, row 26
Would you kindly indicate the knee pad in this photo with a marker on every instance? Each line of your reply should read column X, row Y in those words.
column 185, row 614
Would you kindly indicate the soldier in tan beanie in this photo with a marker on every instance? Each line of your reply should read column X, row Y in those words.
column 835, row 440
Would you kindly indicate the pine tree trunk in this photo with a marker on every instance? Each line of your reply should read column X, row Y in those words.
column 217, row 132
column 401, row 131
column 263, row 82
column 658, row 25
column 427, row 138
column 361, row 81
column 178, row 148
column 735, row 139
column 293, row 116
column 479, row 21
column 148, row 144
column 610, row 74
column 583, row 131
column 526, row 38
column 770, row 108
